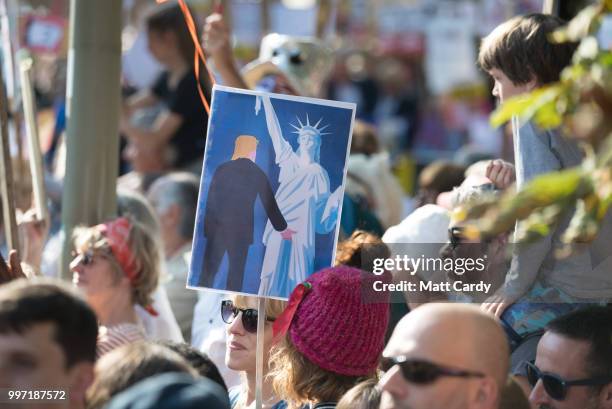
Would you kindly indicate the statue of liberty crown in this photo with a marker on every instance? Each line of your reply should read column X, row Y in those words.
column 311, row 128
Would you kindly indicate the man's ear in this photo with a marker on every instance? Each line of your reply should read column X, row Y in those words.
column 82, row 376
column 173, row 213
column 171, row 216
column 605, row 397
column 486, row 395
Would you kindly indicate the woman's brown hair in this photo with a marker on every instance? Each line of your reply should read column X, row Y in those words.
column 168, row 17
column 360, row 250
column 298, row 381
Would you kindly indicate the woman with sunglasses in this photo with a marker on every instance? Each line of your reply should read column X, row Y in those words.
column 240, row 314
column 329, row 340
column 116, row 265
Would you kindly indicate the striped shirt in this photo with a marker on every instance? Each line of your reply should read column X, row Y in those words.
column 114, row 336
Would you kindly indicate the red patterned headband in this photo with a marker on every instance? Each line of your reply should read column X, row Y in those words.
column 117, row 233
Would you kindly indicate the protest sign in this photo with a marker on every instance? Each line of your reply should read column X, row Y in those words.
column 271, row 191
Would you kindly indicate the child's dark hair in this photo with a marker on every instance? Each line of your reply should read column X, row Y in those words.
column 166, row 18
column 522, row 50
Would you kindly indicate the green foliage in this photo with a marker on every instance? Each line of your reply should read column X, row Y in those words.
column 586, row 22
column 540, row 103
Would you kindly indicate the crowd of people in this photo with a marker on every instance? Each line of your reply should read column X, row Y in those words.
column 128, row 333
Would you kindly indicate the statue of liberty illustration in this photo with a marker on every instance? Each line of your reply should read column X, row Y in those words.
column 305, row 201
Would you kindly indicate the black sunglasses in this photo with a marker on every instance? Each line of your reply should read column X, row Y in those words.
column 424, row 372
column 455, row 236
column 555, row 386
column 86, row 258
column 249, row 315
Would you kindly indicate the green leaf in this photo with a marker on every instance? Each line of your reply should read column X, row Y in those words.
column 586, row 22
column 573, row 73
column 583, row 226
column 556, row 186
column 539, row 222
column 604, row 155
column 604, row 206
column 531, row 232
column 527, row 105
column 513, row 106
column 605, row 58
column 547, row 116
column 588, row 49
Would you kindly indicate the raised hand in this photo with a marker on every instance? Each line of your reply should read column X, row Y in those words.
column 12, row 270
column 34, row 233
column 501, row 173
column 216, row 38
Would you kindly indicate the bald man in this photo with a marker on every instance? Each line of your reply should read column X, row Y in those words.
column 446, row 356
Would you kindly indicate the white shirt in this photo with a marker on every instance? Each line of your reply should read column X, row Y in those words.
column 163, row 327
column 182, row 299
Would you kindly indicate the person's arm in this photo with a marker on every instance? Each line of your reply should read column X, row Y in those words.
column 527, row 259
column 266, row 195
column 330, row 209
column 10, row 270
column 274, row 129
column 501, row 173
column 141, row 99
column 216, row 43
column 165, row 126
column 34, row 233
column 534, row 156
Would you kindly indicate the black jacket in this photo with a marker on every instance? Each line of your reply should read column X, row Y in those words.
column 231, row 201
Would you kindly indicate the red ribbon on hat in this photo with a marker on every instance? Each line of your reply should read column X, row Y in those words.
column 117, row 233
column 283, row 321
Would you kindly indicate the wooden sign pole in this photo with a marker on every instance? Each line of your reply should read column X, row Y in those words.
column 6, row 175
column 34, row 153
column 259, row 361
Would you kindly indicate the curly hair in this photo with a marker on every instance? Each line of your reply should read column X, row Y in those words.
column 360, row 250
column 298, row 380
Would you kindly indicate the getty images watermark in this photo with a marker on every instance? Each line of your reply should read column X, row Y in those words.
column 443, row 274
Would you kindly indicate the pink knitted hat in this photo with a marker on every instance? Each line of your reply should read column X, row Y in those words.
column 334, row 328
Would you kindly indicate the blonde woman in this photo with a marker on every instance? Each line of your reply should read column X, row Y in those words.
column 240, row 313
column 116, row 267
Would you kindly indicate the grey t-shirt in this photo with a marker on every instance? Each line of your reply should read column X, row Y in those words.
column 586, row 274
